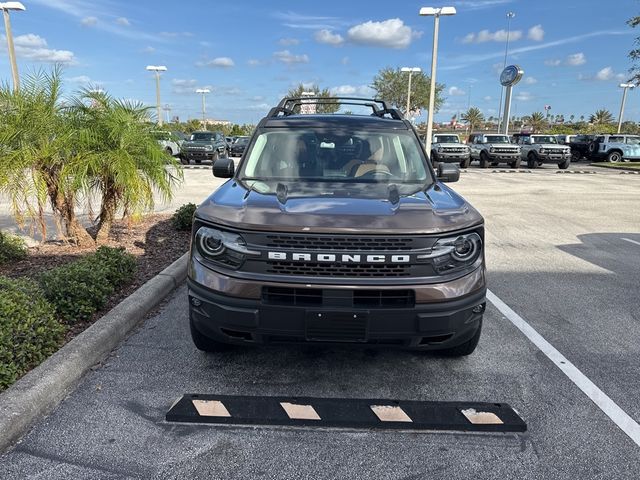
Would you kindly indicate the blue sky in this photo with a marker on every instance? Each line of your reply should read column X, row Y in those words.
column 250, row 53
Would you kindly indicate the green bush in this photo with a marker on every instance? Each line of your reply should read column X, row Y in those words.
column 29, row 332
column 183, row 218
column 11, row 248
column 80, row 288
column 120, row 265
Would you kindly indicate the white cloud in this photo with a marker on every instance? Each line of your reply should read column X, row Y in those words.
column 148, row 50
column 392, row 33
column 285, row 56
column 456, row 92
column 287, row 42
column 536, row 33
column 253, row 62
column 80, row 79
column 552, row 62
column 605, row 74
column 182, row 86
column 576, row 59
column 34, row 47
column 530, row 80
column 123, row 21
column 329, row 38
column 523, row 97
column 484, row 36
column 364, row 90
column 89, row 21
column 219, row 62
column 488, row 98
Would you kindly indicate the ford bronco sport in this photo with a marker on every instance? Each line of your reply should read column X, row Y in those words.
column 335, row 229
column 203, row 146
column 447, row 148
column 539, row 149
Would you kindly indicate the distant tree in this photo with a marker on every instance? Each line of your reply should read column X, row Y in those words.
column 391, row 85
column 473, row 117
column 582, row 118
column 571, row 117
column 537, row 121
column 634, row 54
column 601, row 118
column 331, row 107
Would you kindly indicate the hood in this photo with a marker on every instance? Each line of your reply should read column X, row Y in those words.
column 355, row 208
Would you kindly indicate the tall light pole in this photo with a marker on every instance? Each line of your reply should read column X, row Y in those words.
column 204, row 92
column 510, row 15
column 5, row 7
column 435, row 13
column 411, row 71
column 625, row 87
column 158, row 69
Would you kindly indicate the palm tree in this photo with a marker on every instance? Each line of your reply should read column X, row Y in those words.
column 571, row 117
column 601, row 118
column 38, row 140
column 537, row 121
column 473, row 117
column 122, row 162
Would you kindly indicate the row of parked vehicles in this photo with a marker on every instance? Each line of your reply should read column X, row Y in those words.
column 534, row 150
column 200, row 146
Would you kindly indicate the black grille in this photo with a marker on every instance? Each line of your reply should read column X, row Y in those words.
column 291, row 296
column 453, row 150
column 505, row 150
column 384, row 298
column 328, row 243
column 338, row 270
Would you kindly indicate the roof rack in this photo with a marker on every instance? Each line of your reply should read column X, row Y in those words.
column 288, row 105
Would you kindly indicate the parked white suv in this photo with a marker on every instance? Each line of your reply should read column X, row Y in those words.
column 616, row 148
column 539, row 149
column 492, row 149
column 447, row 148
column 168, row 142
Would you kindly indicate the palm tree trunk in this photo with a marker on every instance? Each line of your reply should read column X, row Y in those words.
column 107, row 214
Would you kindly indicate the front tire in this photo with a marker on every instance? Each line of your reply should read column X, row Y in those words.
column 484, row 160
column 515, row 164
column 564, row 165
column 467, row 348
column 614, row 157
column 532, row 162
column 465, row 163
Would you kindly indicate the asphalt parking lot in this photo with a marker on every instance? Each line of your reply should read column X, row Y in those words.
column 563, row 253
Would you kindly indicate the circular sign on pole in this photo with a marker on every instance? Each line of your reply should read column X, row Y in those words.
column 511, row 75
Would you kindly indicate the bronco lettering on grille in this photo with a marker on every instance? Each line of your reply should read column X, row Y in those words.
column 341, row 258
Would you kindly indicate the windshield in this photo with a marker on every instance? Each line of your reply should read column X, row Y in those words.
column 497, row 139
column 544, row 139
column 345, row 156
column 202, row 136
column 242, row 140
column 447, row 139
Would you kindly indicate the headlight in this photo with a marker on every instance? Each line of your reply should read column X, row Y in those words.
column 491, row 149
column 439, row 149
column 541, row 150
column 208, row 147
column 224, row 248
column 454, row 253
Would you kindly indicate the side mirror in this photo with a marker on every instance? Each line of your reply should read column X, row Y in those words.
column 224, row 168
column 448, row 172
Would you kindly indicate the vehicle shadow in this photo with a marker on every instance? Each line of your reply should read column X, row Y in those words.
column 609, row 251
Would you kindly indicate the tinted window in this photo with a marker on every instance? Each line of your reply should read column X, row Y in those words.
column 496, row 139
column 347, row 156
column 446, row 139
column 544, row 139
column 202, row 136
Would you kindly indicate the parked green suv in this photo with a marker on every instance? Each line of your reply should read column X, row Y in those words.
column 203, row 146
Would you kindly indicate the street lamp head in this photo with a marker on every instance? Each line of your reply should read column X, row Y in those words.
column 156, row 68
column 437, row 11
column 203, row 90
column 510, row 14
column 12, row 6
column 627, row 85
column 411, row 69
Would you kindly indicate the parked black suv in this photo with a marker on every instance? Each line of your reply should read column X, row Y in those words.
column 204, row 146
column 336, row 229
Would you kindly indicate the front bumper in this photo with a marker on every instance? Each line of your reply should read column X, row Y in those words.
column 445, row 157
column 503, row 157
column 337, row 316
column 553, row 158
column 199, row 155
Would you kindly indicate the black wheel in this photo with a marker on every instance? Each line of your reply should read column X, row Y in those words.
column 484, row 160
column 198, row 162
column 467, row 348
column 564, row 165
column 184, row 161
column 614, row 156
column 203, row 342
column 515, row 163
column 575, row 156
column 168, row 151
column 532, row 162
column 465, row 163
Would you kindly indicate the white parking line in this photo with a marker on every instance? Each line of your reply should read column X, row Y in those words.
column 627, row 424
column 630, row 241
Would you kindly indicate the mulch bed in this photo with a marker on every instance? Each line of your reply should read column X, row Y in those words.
column 154, row 241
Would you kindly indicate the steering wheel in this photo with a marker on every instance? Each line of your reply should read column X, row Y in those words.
column 375, row 173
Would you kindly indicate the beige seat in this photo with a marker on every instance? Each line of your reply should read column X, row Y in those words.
column 365, row 168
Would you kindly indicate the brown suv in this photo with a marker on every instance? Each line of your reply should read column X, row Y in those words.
column 336, row 229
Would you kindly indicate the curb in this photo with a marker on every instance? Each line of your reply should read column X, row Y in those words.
column 39, row 391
